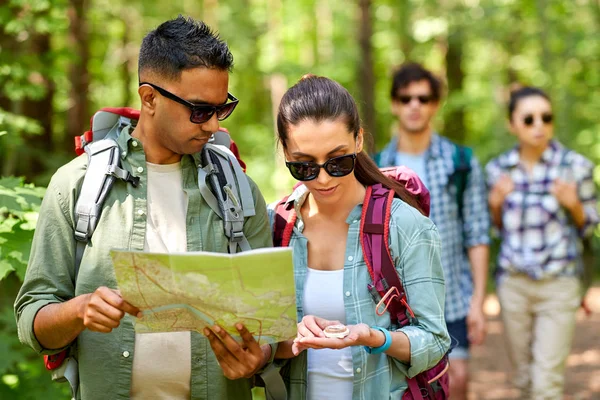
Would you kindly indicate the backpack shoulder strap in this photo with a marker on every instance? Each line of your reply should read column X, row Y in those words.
column 283, row 225
column 461, row 160
column 374, row 238
column 103, row 168
column 226, row 189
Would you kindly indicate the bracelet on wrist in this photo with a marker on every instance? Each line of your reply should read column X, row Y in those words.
column 385, row 346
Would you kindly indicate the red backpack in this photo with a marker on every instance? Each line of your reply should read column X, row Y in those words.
column 387, row 287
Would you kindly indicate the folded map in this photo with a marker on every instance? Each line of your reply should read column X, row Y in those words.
column 190, row 291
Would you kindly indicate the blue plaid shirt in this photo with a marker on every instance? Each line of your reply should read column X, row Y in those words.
column 456, row 235
column 538, row 235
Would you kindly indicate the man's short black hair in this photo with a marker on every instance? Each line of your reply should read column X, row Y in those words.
column 180, row 44
column 414, row 72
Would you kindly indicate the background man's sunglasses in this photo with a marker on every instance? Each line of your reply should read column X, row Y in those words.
column 546, row 119
column 407, row 99
column 200, row 113
column 309, row 170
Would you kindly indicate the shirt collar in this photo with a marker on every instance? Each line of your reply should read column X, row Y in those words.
column 435, row 146
column 548, row 156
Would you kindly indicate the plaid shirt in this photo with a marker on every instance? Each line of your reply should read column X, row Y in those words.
column 538, row 235
column 415, row 248
column 456, row 235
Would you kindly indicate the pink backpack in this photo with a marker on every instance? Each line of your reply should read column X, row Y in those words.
column 432, row 384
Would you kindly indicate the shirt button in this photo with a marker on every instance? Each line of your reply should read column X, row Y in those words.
column 134, row 143
column 347, row 294
column 140, row 169
column 125, row 354
column 140, row 212
column 350, row 258
column 123, row 154
column 358, row 370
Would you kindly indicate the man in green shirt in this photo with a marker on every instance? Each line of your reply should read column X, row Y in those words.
column 184, row 72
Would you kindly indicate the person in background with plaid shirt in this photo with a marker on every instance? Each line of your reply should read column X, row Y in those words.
column 465, row 233
column 543, row 201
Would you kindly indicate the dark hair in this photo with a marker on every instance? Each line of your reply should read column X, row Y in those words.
column 180, row 44
column 319, row 99
column 521, row 93
column 414, row 72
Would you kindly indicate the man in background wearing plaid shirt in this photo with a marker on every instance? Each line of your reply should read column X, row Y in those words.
column 463, row 228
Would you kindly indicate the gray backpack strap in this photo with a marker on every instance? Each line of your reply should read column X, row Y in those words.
column 225, row 188
column 274, row 386
column 102, row 170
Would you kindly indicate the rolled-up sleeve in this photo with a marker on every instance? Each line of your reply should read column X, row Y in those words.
column 586, row 190
column 49, row 275
column 419, row 265
column 476, row 217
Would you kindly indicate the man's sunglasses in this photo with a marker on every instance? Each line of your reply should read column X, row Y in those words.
column 546, row 119
column 200, row 112
column 407, row 99
column 309, row 170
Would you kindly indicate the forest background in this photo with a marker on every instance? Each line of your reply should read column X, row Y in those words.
column 61, row 60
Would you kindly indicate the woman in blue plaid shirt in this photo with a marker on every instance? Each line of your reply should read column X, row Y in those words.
column 319, row 129
column 543, row 201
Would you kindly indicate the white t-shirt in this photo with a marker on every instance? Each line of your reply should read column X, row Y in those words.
column 330, row 373
column 162, row 364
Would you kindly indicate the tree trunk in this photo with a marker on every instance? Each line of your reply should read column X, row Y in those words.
column 78, row 115
column 407, row 43
column 366, row 75
column 125, row 69
column 37, row 146
column 454, row 127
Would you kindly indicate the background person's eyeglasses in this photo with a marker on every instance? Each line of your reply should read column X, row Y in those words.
column 423, row 99
column 200, row 113
column 546, row 119
column 309, row 170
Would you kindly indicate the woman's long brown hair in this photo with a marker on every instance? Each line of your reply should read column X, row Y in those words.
column 318, row 98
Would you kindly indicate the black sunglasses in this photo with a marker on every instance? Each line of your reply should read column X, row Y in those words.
column 309, row 170
column 546, row 119
column 422, row 99
column 200, row 112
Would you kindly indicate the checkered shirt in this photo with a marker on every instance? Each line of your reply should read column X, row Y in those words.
column 538, row 236
column 456, row 235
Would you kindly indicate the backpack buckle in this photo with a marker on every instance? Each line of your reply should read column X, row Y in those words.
column 387, row 298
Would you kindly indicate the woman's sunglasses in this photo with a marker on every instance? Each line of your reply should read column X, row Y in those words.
column 546, row 119
column 309, row 170
column 407, row 99
column 200, row 112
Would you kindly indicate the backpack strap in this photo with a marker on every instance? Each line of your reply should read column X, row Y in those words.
column 283, row 225
column 461, row 159
column 102, row 171
column 226, row 189
column 374, row 238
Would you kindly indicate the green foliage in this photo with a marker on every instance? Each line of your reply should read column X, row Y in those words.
column 19, row 205
column 549, row 43
column 22, row 372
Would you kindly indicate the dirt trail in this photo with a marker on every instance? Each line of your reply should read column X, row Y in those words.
column 490, row 365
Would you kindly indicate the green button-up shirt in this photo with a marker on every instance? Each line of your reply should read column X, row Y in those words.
column 105, row 360
column 414, row 245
